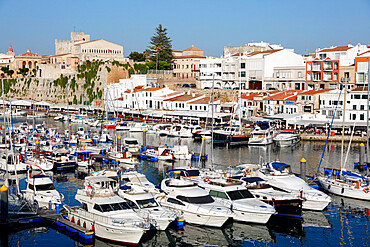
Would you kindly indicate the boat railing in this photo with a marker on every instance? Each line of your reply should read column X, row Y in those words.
column 109, row 220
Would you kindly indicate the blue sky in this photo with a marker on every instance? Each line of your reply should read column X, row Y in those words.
column 209, row 25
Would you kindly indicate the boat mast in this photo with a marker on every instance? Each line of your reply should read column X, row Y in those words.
column 33, row 108
column 240, row 93
column 344, row 115
column 7, row 171
column 367, row 118
column 213, row 100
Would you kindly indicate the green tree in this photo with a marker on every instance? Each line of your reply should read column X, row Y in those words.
column 23, row 71
column 137, row 56
column 161, row 65
column 160, row 45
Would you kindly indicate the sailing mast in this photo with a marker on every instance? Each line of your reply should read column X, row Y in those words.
column 344, row 115
column 367, row 118
column 7, row 171
column 213, row 101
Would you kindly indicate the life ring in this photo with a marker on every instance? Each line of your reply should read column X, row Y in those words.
column 367, row 212
column 228, row 180
column 206, row 179
column 366, row 190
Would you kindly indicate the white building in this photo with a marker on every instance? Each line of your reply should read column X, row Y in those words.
column 211, row 69
column 345, row 54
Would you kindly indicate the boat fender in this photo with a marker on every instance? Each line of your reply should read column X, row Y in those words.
column 78, row 222
column 206, row 179
column 228, row 180
column 366, row 190
column 73, row 219
column 367, row 212
column 84, row 225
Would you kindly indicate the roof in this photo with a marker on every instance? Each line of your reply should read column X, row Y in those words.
column 204, row 100
column 250, row 96
column 263, row 52
column 292, row 98
column 60, row 55
column 283, row 95
column 175, row 50
column 136, row 89
column 238, row 54
column 171, row 94
column 313, row 92
column 364, row 53
column 193, row 48
column 184, row 97
column 359, row 89
column 190, row 56
column 338, row 48
column 151, row 89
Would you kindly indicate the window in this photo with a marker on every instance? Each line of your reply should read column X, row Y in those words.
column 84, row 206
column 335, row 77
column 353, row 116
column 218, row 194
column 362, row 117
column 354, row 107
column 322, row 56
column 42, row 187
column 196, row 200
column 336, row 65
column 147, row 203
column 242, row 65
column 309, row 66
column 357, row 96
column 308, row 76
column 174, row 201
column 364, row 96
column 362, row 107
column 131, row 204
column 239, row 194
column 316, row 66
column 316, row 76
column 299, row 74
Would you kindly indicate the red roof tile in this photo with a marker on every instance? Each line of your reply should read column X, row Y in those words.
column 184, row 97
column 338, row 48
column 263, row 52
column 283, row 95
column 192, row 48
column 250, row 96
column 205, row 100
column 313, row 92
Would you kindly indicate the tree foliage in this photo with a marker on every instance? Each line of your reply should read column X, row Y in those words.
column 23, row 71
column 160, row 45
column 162, row 65
column 7, row 71
column 137, row 56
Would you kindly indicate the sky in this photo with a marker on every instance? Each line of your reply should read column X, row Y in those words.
column 210, row 25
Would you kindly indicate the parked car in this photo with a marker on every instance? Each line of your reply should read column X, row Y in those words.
column 193, row 85
column 185, row 85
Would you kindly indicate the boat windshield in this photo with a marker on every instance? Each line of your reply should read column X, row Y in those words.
column 239, row 194
column 139, row 179
column 42, row 187
column 111, row 207
column 147, row 203
column 196, row 200
column 131, row 142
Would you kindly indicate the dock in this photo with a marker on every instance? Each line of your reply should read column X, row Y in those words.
column 335, row 138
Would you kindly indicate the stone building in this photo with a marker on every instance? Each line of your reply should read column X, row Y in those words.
column 83, row 48
column 250, row 47
column 186, row 63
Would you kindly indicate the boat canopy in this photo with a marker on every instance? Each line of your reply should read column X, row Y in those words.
column 252, row 179
column 280, row 166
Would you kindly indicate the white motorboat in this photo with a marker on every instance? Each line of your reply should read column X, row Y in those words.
column 186, row 132
column 162, row 129
column 181, row 152
column 40, row 188
column 285, row 203
column 134, row 178
column 233, row 194
column 145, row 205
column 280, row 176
column 105, row 136
column 261, row 137
column 346, row 184
column 192, row 203
column 107, row 214
column 286, row 138
column 138, row 127
column 122, row 126
column 161, row 153
column 175, row 130
column 39, row 163
column 125, row 159
column 131, row 144
column 81, row 131
column 14, row 163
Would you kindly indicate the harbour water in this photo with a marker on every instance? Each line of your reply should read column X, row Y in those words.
column 344, row 222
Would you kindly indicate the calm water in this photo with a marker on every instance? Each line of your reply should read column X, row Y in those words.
column 344, row 222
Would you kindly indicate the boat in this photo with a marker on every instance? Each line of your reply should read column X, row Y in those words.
column 124, row 159
column 122, row 126
column 12, row 162
column 145, row 205
column 138, row 127
column 285, row 203
column 107, row 214
column 40, row 188
column 162, row 129
column 280, row 176
column 39, row 163
column 134, row 178
column 232, row 136
column 234, row 195
column 160, row 153
column 131, row 144
column 346, row 184
column 261, row 137
column 192, row 203
column 61, row 159
column 175, row 130
column 286, row 138
column 181, row 152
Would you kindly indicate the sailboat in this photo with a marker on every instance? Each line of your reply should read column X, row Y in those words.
column 341, row 182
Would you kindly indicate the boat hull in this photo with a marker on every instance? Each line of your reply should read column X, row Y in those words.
column 251, row 217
